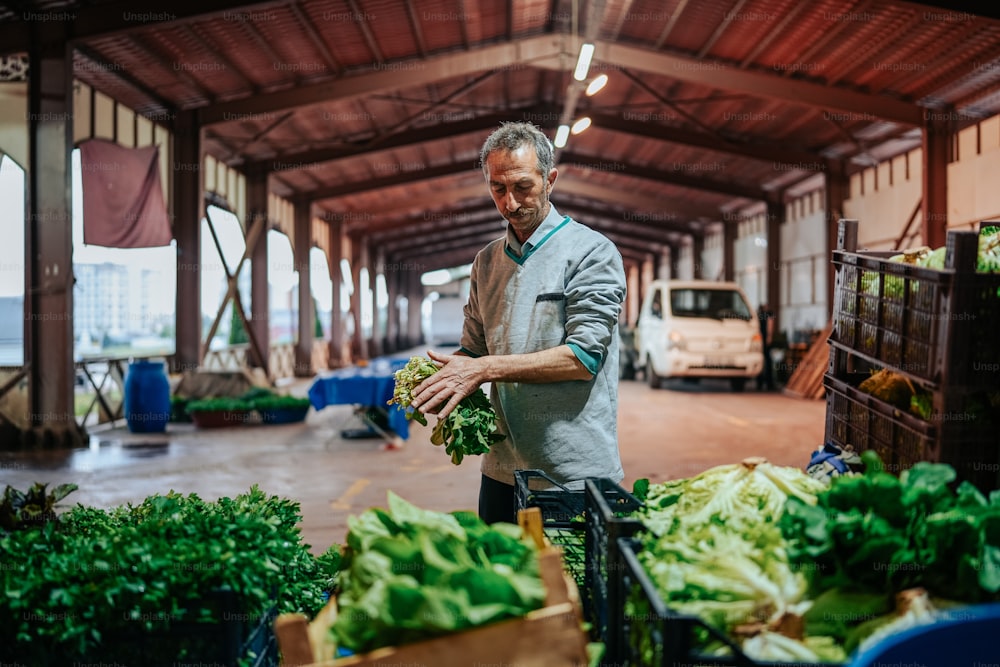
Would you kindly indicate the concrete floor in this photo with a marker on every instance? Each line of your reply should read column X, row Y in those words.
column 674, row 432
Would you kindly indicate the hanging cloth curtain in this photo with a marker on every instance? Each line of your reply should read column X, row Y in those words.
column 122, row 199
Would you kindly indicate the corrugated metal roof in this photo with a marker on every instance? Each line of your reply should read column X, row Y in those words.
column 380, row 106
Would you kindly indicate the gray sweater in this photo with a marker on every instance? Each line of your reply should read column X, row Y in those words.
column 566, row 286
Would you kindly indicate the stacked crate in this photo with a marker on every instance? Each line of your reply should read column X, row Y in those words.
column 936, row 328
column 585, row 525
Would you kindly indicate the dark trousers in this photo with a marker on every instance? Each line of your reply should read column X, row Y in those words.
column 497, row 501
column 766, row 377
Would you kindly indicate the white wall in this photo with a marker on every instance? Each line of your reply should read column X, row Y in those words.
column 685, row 262
column 973, row 194
column 882, row 198
column 13, row 121
column 805, row 267
column 750, row 258
column 712, row 257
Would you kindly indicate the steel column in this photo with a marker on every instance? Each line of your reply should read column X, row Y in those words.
column 49, row 235
column 336, row 253
column 303, row 243
column 729, row 229
column 377, row 343
column 393, row 284
column 937, row 136
column 260, row 301
column 775, row 220
column 359, row 259
column 698, row 261
column 838, row 189
column 187, row 214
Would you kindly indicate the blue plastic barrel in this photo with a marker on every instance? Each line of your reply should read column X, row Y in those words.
column 147, row 397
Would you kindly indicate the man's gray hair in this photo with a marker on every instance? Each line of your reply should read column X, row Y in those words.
column 511, row 136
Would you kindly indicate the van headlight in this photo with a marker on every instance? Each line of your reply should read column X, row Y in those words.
column 756, row 343
column 675, row 341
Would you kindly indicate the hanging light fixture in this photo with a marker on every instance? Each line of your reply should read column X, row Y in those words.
column 583, row 62
column 597, row 84
column 562, row 134
column 580, row 125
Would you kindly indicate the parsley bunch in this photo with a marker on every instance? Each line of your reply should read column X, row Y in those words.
column 470, row 429
column 129, row 585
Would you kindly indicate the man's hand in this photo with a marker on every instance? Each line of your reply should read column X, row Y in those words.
column 441, row 393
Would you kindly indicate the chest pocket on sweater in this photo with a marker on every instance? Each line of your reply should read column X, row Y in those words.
column 548, row 320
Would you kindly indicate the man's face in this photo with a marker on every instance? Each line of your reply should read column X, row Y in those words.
column 520, row 192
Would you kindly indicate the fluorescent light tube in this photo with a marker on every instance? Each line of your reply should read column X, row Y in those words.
column 562, row 134
column 583, row 63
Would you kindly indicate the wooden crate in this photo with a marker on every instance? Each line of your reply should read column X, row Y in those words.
column 548, row 637
column 807, row 380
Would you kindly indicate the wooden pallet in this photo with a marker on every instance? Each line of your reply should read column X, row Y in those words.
column 807, row 380
column 548, row 637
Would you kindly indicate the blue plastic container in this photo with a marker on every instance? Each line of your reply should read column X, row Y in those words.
column 147, row 397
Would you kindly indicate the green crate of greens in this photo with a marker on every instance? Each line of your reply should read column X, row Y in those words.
column 707, row 563
column 924, row 312
column 754, row 564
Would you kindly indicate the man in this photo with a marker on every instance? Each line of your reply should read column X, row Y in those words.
column 541, row 327
column 765, row 318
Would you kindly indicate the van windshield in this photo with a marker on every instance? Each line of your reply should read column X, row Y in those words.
column 714, row 303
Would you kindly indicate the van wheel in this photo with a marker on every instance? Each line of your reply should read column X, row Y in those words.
column 738, row 384
column 652, row 378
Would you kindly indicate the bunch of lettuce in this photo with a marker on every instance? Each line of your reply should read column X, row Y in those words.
column 883, row 554
column 883, row 534
column 411, row 574
column 987, row 261
column 739, row 496
column 468, row 430
column 714, row 550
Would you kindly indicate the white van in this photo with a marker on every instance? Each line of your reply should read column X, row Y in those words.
column 698, row 329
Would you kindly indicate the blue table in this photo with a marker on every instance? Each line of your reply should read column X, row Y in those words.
column 368, row 386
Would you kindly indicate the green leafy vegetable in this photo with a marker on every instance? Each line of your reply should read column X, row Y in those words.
column 274, row 402
column 988, row 260
column 218, row 403
column 468, row 430
column 73, row 587
column 20, row 509
column 714, row 550
column 411, row 574
column 738, row 495
column 640, row 489
column 882, row 534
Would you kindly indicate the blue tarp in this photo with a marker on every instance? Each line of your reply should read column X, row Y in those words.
column 369, row 386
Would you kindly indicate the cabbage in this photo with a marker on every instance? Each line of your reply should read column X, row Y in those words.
column 740, row 495
column 989, row 250
column 723, row 576
column 714, row 549
column 776, row 647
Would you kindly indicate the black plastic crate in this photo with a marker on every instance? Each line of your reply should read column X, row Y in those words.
column 968, row 442
column 647, row 633
column 562, row 518
column 235, row 636
column 608, row 512
column 929, row 324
